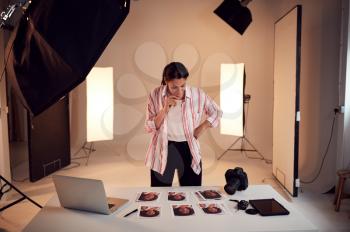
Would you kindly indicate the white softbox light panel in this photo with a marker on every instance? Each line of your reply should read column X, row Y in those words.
column 99, row 104
column 231, row 99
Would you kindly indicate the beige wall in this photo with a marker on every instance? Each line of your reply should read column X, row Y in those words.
column 158, row 31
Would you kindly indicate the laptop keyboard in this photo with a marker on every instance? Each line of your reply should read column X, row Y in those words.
column 111, row 205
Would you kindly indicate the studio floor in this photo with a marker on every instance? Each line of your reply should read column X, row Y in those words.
column 124, row 171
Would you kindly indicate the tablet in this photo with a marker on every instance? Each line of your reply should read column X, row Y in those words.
column 268, row 207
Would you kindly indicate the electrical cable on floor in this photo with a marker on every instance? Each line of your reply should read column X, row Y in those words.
column 325, row 154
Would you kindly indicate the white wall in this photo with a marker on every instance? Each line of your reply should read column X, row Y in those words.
column 156, row 31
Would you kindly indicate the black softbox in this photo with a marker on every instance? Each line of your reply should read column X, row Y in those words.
column 234, row 14
column 57, row 43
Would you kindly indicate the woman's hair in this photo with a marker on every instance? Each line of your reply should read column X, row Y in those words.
column 174, row 70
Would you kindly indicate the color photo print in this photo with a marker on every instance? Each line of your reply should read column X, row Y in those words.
column 148, row 196
column 183, row 210
column 212, row 208
column 149, row 211
column 209, row 194
column 177, row 196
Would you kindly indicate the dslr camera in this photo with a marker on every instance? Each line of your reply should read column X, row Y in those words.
column 236, row 179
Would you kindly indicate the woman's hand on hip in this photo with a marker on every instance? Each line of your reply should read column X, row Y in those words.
column 200, row 129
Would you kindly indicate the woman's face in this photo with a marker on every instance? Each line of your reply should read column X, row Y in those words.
column 212, row 209
column 177, row 197
column 184, row 210
column 151, row 212
column 177, row 88
column 149, row 196
column 210, row 193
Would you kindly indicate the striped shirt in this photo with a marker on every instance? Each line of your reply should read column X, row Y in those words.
column 197, row 105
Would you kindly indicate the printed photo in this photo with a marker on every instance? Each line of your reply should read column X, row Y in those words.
column 212, row 208
column 149, row 211
column 182, row 210
column 210, row 194
column 147, row 196
column 177, row 196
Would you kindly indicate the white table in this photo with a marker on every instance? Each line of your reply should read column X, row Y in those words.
column 54, row 218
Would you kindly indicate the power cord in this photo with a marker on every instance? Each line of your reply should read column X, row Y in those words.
column 336, row 110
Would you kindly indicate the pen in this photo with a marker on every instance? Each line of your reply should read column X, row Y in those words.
column 233, row 200
column 134, row 211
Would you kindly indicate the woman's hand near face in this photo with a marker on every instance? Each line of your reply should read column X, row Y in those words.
column 169, row 102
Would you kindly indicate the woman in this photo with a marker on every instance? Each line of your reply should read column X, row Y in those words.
column 174, row 117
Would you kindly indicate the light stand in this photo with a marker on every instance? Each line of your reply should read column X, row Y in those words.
column 243, row 139
column 17, row 190
column 88, row 148
column 99, row 109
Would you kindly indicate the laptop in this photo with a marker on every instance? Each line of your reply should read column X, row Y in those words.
column 85, row 194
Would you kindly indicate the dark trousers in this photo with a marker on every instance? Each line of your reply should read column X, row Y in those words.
column 180, row 158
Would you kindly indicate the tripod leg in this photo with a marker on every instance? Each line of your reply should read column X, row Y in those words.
column 229, row 147
column 243, row 144
column 19, row 200
column 254, row 147
column 90, row 150
column 87, row 149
